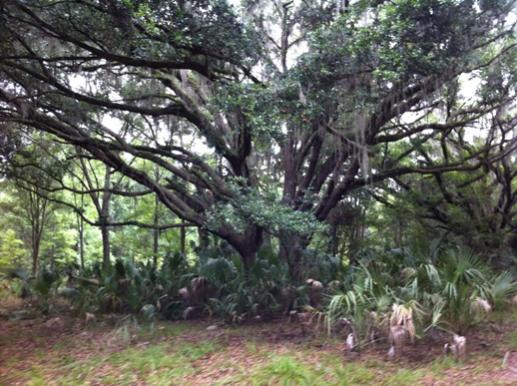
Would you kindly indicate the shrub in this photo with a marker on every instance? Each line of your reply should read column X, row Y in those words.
column 446, row 288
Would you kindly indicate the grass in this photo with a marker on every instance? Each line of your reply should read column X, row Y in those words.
column 512, row 340
column 185, row 353
column 284, row 370
column 158, row 364
column 290, row 370
column 438, row 366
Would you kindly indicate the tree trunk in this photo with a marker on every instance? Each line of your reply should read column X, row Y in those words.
column 156, row 233
column 105, row 218
column 156, row 238
column 333, row 245
column 203, row 238
column 291, row 251
column 37, row 214
column 248, row 259
column 183, row 239
column 35, row 256
column 53, row 259
column 248, row 246
column 80, row 225
column 105, row 246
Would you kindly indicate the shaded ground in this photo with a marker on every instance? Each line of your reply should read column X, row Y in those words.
column 117, row 352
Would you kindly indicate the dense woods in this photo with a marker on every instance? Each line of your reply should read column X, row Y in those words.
column 350, row 160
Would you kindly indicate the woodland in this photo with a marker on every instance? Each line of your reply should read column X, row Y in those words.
column 258, row 192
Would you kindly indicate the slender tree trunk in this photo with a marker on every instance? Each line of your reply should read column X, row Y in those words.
column 35, row 256
column 248, row 259
column 183, row 238
column 80, row 231
column 106, row 247
column 81, row 243
column 204, row 239
column 156, row 233
column 105, row 219
column 333, row 245
column 38, row 214
column 52, row 258
column 156, row 237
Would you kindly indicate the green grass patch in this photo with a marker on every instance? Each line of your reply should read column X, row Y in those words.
column 439, row 365
column 289, row 369
column 511, row 340
column 285, row 370
column 165, row 329
column 161, row 363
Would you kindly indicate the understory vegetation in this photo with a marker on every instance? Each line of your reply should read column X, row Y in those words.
column 406, row 292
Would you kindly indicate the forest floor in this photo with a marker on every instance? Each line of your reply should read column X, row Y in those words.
column 115, row 351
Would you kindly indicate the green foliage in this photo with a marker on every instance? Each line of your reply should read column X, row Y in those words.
column 447, row 288
column 258, row 106
column 321, row 266
column 12, row 250
column 239, row 297
column 264, row 209
column 45, row 281
column 132, row 287
column 41, row 287
column 501, row 288
column 233, row 295
column 209, row 113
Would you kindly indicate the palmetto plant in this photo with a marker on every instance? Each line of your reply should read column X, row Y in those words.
column 501, row 288
column 238, row 296
column 128, row 286
column 447, row 288
column 369, row 295
column 463, row 278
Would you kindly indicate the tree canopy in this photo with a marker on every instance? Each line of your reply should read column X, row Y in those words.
column 261, row 119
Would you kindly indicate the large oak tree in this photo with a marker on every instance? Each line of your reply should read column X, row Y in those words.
column 291, row 105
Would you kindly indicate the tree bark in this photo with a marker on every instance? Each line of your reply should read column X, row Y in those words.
column 37, row 214
column 80, row 242
column 105, row 219
column 248, row 245
column 204, row 240
column 291, row 252
column 333, row 245
column 106, row 247
column 35, row 256
column 156, row 233
column 183, row 238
